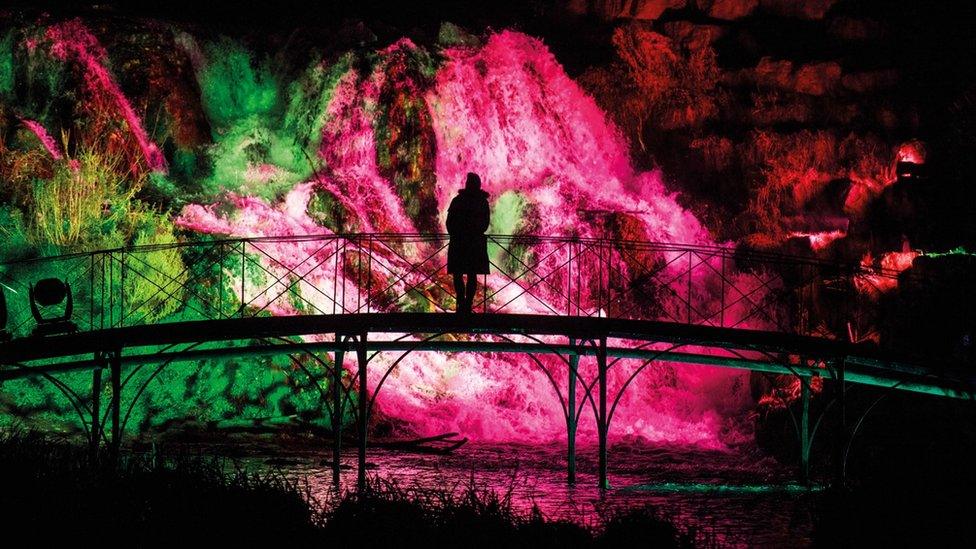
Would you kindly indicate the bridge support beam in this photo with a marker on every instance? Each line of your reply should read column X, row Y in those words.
column 96, row 412
column 115, row 366
column 335, row 391
column 805, row 432
column 602, row 427
column 571, row 417
column 841, row 473
column 362, row 358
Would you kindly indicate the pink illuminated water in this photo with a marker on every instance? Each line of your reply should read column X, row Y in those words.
column 507, row 111
column 736, row 498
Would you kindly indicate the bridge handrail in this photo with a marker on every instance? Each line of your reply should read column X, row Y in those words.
column 731, row 252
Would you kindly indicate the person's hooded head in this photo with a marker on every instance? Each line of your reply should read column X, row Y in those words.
column 472, row 183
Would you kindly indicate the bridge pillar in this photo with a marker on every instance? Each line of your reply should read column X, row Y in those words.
column 96, row 412
column 841, row 425
column 571, row 417
column 805, row 432
column 362, row 358
column 602, row 427
column 335, row 391
column 115, row 366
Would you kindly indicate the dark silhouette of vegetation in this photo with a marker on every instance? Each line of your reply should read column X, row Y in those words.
column 910, row 479
column 51, row 489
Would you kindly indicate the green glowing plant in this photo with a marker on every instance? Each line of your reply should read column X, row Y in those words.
column 16, row 243
column 327, row 211
column 22, row 161
column 266, row 133
column 156, row 281
column 512, row 214
column 309, row 97
column 6, row 65
column 232, row 87
column 85, row 205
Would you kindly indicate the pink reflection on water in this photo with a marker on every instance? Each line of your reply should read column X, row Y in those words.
column 535, row 477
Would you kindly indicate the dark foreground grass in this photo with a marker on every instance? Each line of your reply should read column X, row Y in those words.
column 50, row 491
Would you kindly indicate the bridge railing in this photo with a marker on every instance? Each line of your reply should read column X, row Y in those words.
column 351, row 273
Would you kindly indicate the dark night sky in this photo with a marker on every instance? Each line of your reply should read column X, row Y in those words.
column 931, row 43
column 938, row 39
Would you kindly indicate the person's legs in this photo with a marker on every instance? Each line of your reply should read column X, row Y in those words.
column 471, row 290
column 459, row 292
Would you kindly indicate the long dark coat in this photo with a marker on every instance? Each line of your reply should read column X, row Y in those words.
column 467, row 221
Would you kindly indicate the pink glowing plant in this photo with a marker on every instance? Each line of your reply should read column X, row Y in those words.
column 72, row 41
column 45, row 138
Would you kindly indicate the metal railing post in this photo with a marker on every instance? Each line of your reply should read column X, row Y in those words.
column 96, row 428
column 122, row 288
column 571, row 416
column 363, row 396
column 688, row 296
column 115, row 365
column 602, row 427
column 220, row 281
column 569, row 280
column 722, row 258
column 805, row 432
column 243, row 299
column 337, row 407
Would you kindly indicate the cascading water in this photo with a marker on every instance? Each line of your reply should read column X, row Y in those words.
column 553, row 164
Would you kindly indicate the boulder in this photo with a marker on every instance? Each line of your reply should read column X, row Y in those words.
column 809, row 79
column 817, row 78
column 623, row 9
column 728, row 10
column 770, row 73
column 870, row 81
column 800, row 9
column 856, row 30
column 691, row 36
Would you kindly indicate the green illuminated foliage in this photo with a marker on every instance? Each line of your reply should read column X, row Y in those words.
column 266, row 133
column 266, row 129
column 37, row 86
column 13, row 232
column 309, row 97
column 405, row 150
column 326, row 210
column 453, row 35
column 155, row 284
column 6, row 66
column 512, row 214
column 86, row 206
column 232, row 87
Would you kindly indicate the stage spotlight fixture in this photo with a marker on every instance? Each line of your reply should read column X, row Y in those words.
column 47, row 294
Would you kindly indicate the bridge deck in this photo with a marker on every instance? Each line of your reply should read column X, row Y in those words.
column 30, row 356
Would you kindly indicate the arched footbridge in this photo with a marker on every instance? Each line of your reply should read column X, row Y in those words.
column 594, row 304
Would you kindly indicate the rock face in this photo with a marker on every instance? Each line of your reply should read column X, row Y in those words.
column 755, row 139
column 629, row 9
column 783, row 75
column 803, row 9
column 728, row 9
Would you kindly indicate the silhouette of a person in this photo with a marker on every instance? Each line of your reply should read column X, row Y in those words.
column 467, row 253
